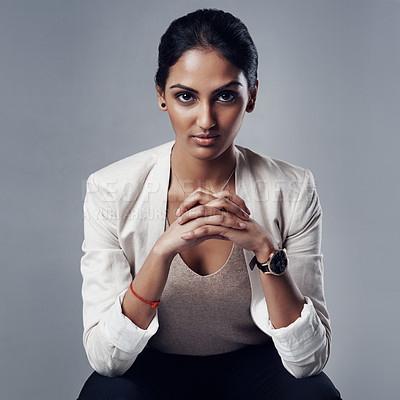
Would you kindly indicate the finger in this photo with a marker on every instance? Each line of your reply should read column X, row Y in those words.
column 234, row 198
column 209, row 231
column 199, row 196
column 223, row 220
column 197, row 212
column 226, row 204
column 219, row 237
column 207, row 211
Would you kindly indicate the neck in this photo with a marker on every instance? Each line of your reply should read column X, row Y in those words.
column 209, row 174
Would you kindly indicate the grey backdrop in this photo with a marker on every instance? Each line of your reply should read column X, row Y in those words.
column 76, row 85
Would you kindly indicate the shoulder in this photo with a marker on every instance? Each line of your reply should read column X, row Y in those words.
column 128, row 174
column 267, row 168
column 284, row 192
column 135, row 165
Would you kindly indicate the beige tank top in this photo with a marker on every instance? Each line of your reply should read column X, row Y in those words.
column 205, row 315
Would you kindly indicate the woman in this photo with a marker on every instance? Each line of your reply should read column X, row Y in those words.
column 188, row 292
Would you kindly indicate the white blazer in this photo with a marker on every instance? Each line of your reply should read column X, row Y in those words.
column 124, row 215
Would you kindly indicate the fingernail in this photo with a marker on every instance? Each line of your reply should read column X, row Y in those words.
column 185, row 235
column 246, row 215
column 177, row 211
column 242, row 225
column 179, row 220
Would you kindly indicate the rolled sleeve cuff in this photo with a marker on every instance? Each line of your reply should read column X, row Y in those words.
column 302, row 338
column 122, row 333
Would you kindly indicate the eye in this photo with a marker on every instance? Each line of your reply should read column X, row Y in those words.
column 185, row 97
column 227, row 97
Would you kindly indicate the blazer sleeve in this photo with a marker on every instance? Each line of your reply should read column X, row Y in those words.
column 111, row 340
column 304, row 345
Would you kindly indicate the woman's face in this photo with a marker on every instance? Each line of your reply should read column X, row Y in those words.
column 206, row 98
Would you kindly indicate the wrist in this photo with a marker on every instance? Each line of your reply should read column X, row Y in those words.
column 276, row 263
column 264, row 251
column 263, row 255
column 164, row 254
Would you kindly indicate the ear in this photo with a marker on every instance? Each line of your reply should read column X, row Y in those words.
column 252, row 99
column 161, row 99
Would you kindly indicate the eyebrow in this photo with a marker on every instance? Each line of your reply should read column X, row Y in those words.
column 232, row 83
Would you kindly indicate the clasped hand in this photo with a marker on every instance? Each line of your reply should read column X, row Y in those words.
column 224, row 215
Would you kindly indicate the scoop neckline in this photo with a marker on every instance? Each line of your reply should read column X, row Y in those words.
column 207, row 275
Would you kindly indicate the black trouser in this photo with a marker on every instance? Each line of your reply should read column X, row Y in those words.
column 252, row 373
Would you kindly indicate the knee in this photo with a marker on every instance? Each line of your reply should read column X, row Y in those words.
column 126, row 389
column 99, row 387
column 318, row 387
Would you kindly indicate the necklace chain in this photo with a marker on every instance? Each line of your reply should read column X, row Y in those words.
column 223, row 187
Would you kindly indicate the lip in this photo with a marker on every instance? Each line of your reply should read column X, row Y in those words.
column 205, row 140
column 205, row 135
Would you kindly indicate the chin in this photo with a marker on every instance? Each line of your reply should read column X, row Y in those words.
column 208, row 153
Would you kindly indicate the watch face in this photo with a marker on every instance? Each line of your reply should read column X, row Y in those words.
column 279, row 262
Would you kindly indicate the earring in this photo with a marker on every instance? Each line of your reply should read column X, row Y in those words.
column 163, row 105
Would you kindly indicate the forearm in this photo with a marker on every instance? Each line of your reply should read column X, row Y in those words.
column 117, row 329
column 284, row 299
column 148, row 284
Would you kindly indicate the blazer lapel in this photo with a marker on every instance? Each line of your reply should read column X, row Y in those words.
column 158, row 197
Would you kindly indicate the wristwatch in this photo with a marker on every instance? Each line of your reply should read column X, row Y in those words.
column 275, row 265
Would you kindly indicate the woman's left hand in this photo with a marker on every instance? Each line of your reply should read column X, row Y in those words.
column 210, row 209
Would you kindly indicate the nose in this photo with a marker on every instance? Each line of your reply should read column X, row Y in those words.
column 205, row 117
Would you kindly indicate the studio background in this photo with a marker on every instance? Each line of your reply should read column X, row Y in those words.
column 77, row 93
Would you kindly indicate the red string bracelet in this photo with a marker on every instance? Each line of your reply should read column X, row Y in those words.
column 153, row 304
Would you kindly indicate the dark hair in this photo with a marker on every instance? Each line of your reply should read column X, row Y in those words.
column 208, row 28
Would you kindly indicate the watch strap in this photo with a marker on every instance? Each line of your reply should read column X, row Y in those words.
column 265, row 267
